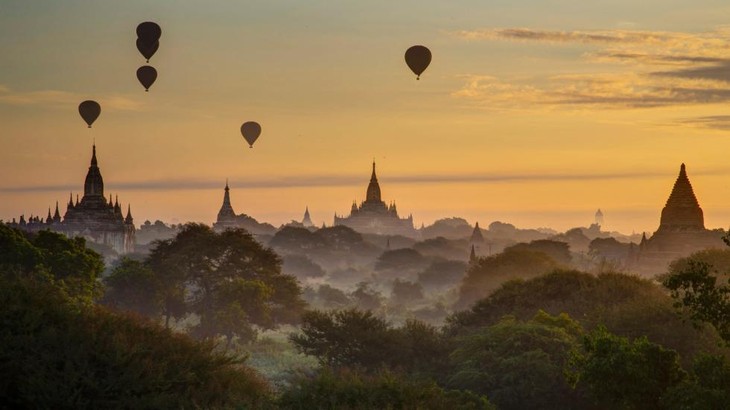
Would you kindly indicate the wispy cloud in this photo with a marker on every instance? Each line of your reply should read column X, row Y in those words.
column 647, row 69
column 350, row 180
column 717, row 122
column 62, row 98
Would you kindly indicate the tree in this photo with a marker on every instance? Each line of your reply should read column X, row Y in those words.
column 347, row 389
column 558, row 251
column 366, row 297
column 332, row 297
column 400, row 260
column 519, row 365
column 58, row 353
column 358, row 339
column 132, row 286
column 487, row 274
column 695, row 287
column 50, row 255
column 235, row 283
column 708, row 386
column 619, row 373
column 442, row 274
column 406, row 292
column 302, row 267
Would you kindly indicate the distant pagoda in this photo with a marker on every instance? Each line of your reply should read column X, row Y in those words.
column 374, row 216
column 94, row 218
column 681, row 230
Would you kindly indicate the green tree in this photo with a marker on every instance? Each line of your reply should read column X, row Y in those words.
column 234, row 283
column 708, row 386
column 519, row 365
column 619, row 373
column 694, row 286
column 57, row 353
column 406, row 292
column 487, row 274
column 132, row 286
column 349, row 390
column 65, row 261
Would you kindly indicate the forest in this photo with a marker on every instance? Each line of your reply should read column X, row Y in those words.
column 211, row 319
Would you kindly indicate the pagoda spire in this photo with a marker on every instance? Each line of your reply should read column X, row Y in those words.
column 472, row 255
column 226, row 210
column 57, row 214
column 476, row 235
column 373, row 193
column 128, row 219
column 94, row 184
column 682, row 210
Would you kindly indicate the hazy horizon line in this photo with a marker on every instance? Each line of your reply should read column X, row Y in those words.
column 348, row 180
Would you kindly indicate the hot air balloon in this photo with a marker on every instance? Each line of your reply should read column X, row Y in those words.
column 89, row 111
column 418, row 58
column 147, row 49
column 250, row 131
column 146, row 76
column 149, row 32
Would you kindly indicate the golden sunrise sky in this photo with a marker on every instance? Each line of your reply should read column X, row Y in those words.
column 532, row 112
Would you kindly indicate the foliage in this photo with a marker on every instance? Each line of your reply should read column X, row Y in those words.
column 332, row 298
column 301, row 267
column 619, row 373
column 708, row 386
column 626, row 305
column 358, row 339
column 56, row 353
column 519, row 365
column 400, row 260
column 406, row 292
column 347, row 390
column 441, row 274
column 132, row 286
column 366, row 297
column 66, row 262
column 235, row 282
column 695, row 287
column 558, row 251
column 487, row 274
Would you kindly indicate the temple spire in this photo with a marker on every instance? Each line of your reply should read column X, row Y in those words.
column 128, row 219
column 93, row 156
column 682, row 210
column 226, row 210
column 373, row 193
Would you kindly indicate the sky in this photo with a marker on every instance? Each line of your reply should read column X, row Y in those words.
column 532, row 112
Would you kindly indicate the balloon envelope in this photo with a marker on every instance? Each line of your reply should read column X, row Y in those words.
column 146, row 76
column 418, row 58
column 89, row 111
column 147, row 49
column 250, row 131
column 149, row 31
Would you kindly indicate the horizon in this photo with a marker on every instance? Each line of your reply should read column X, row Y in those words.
column 523, row 116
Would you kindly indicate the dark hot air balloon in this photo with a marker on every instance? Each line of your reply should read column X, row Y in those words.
column 147, row 49
column 89, row 111
column 149, row 32
column 250, row 131
column 418, row 58
column 146, row 76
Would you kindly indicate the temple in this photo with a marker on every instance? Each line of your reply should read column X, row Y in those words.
column 374, row 216
column 681, row 230
column 227, row 218
column 94, row 218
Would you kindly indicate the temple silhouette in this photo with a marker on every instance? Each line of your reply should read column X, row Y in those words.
column 227, row 218
column 94, row 218
column 681, row 231
column 374, row 216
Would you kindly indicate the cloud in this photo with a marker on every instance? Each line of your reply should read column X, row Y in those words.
column 351, row 180
column 643, row 69
column 53, row 98
column 717, row 122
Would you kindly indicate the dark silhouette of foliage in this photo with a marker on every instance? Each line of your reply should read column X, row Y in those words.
column 618, row 373
column 358, row 339
column 519, row 365
column 349, row 390
column 442, row 274
column 695, row 287
column 57, row 353
column 366, row 298
column 66, row 262
column 487, row 274
column 708, row 386
column 406, row 292
column 558, row 251
column 626, row 305
column 301, row 267
column 235, row 282
column 133, row 286
column 399, row 260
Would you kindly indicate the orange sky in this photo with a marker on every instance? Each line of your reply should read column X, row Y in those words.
column 536, row 113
